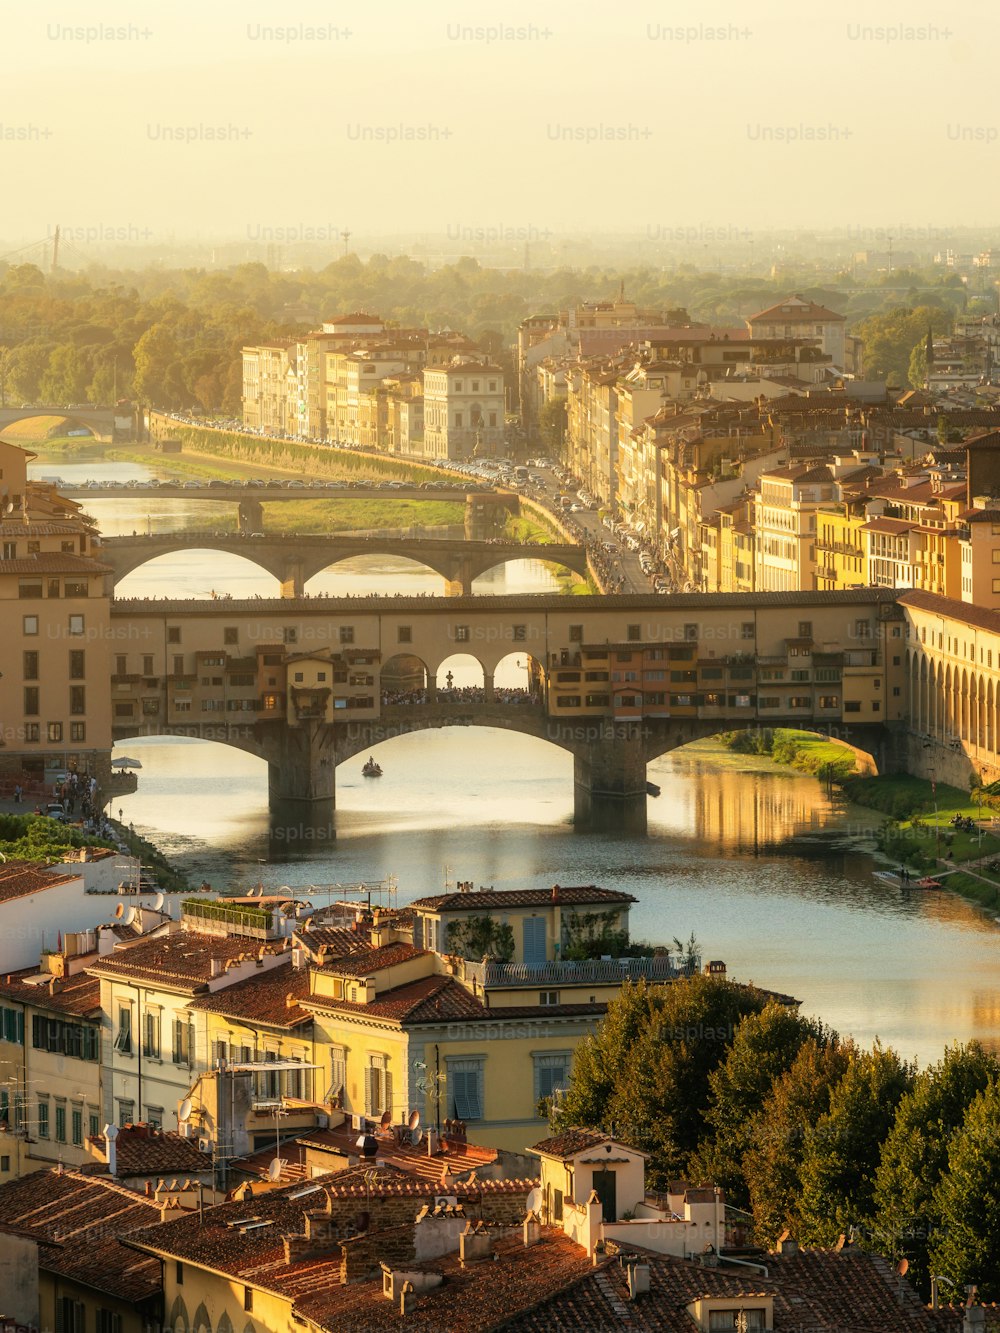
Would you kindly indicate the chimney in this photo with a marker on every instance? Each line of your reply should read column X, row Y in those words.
column 638, row 1280
column 111, row 1148
column 214, row 967
column 297, row 957
column 788, row 1247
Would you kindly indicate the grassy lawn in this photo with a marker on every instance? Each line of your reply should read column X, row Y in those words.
column 815, row 750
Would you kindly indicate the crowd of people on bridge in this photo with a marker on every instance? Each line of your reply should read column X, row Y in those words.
column 463, row 694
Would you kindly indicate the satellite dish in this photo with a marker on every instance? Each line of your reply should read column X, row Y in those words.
column 386, row 1119
column 9, row 507
column 184, row 1114
column 158, row 904
column 534, row 1203
column 275, row 1169
column 903, row 1267
column 414, row 1120
column 120, row 910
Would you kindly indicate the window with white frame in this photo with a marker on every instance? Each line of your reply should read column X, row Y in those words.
column 551, row 1072
column 465, row 1088
column 123, row 1041
column 378, row 1086
column 151, row 1033
column 183, row 1041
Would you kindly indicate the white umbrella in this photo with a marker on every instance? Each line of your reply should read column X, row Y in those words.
column 126, row 763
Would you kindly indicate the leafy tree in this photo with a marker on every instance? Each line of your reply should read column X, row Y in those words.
column 772, row 1162
column 764, row 1048
column 552, row 425
column 915, row 1154
column 841, row 1150
column 644, row 1075
column 966, row 1245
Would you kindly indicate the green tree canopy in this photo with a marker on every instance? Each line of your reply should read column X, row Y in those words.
column 966, row 1245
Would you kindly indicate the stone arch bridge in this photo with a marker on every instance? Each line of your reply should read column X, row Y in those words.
column 295, row 558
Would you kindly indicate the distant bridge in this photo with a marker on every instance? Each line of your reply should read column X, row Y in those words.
column 485, row 511
column 293, row 559
column 100, row 419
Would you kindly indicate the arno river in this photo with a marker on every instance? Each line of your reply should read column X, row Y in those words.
column 761, row 866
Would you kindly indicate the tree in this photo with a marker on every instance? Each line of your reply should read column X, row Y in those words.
column 644, row 1075
column 772, row 1162
column 841, row 1150
column 763, row 1049
column 966, row 1246
column 915, row 1153
column 552, row 425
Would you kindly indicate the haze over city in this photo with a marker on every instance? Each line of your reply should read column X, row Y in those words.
column 151, row 124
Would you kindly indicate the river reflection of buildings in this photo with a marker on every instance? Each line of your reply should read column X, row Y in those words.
column 744, row 812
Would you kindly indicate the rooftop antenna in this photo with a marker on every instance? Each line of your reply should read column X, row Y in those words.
column 55, row 249
column 345, row 236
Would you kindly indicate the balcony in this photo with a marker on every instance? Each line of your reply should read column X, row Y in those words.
column 591, row 971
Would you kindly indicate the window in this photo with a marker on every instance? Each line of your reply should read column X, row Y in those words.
column 173, row 634
column 378, row 1086
column 60, row 1123
column 29, row 625
column 690, row 632
column 55, row 732
column 77, row 698
column 31, row 701
column 70, row 1315
column 231, row 634
column 77, row 664
column 94, row 1124
column 338, row 1075
column 461, row 634
column 154, row 1116
column 805, row 629
column 30, row 665
column 520, row 633
column 179, row 1273
column 404, row 634
column 862, row 629
column 126, row 1112
column 182, row 1041
column 551, row 1073
column 724, row 1321
column 548, row 997
column 576, row 634
column 829, row 701
column 108, row 1321
column 746, row 630
column 12, row 1025
column 29, row 587
column 43, row 1118
column 76, row 588
column 151, row 1033
column 123, row 1041
column 248, row 1298
column 852, row 706
column 76, row 624
column 347, row 634
column 465, row 1089
column 290, row 634
column 147, row 664
column 77, row 1123
column 31, row 731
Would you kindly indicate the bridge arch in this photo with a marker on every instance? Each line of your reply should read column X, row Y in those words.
column 572, row 564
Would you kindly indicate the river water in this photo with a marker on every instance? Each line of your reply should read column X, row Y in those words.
column 768, row 873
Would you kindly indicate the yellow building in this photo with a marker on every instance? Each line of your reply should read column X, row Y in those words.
column 421, row 1027
column 840, row 546
column 54, row 660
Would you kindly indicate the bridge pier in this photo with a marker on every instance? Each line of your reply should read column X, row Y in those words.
column 301, row 783
column 293, row 582
column 251, row 516
column 609, row 780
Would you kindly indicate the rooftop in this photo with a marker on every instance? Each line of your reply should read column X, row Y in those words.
column 507, row 898
column 184, row 960
column 142, row 1150
column 270, row 998
column 79, row 1220
column 78, row 994
column 19, row 878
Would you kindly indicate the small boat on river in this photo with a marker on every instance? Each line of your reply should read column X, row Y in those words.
column 371, row 769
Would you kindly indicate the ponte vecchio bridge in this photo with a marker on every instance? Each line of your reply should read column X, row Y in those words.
column 615, row 681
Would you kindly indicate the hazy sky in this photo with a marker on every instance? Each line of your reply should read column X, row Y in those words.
column 157, row 121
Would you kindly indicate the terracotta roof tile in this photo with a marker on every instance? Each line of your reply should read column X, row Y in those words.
column 79, row 994
column 435, row 999
column 370, row 960
column 79, row 1221
column 501, row 898
column 144, row 1151
column 19, row 878
column 180, row 961
column 272, row 998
